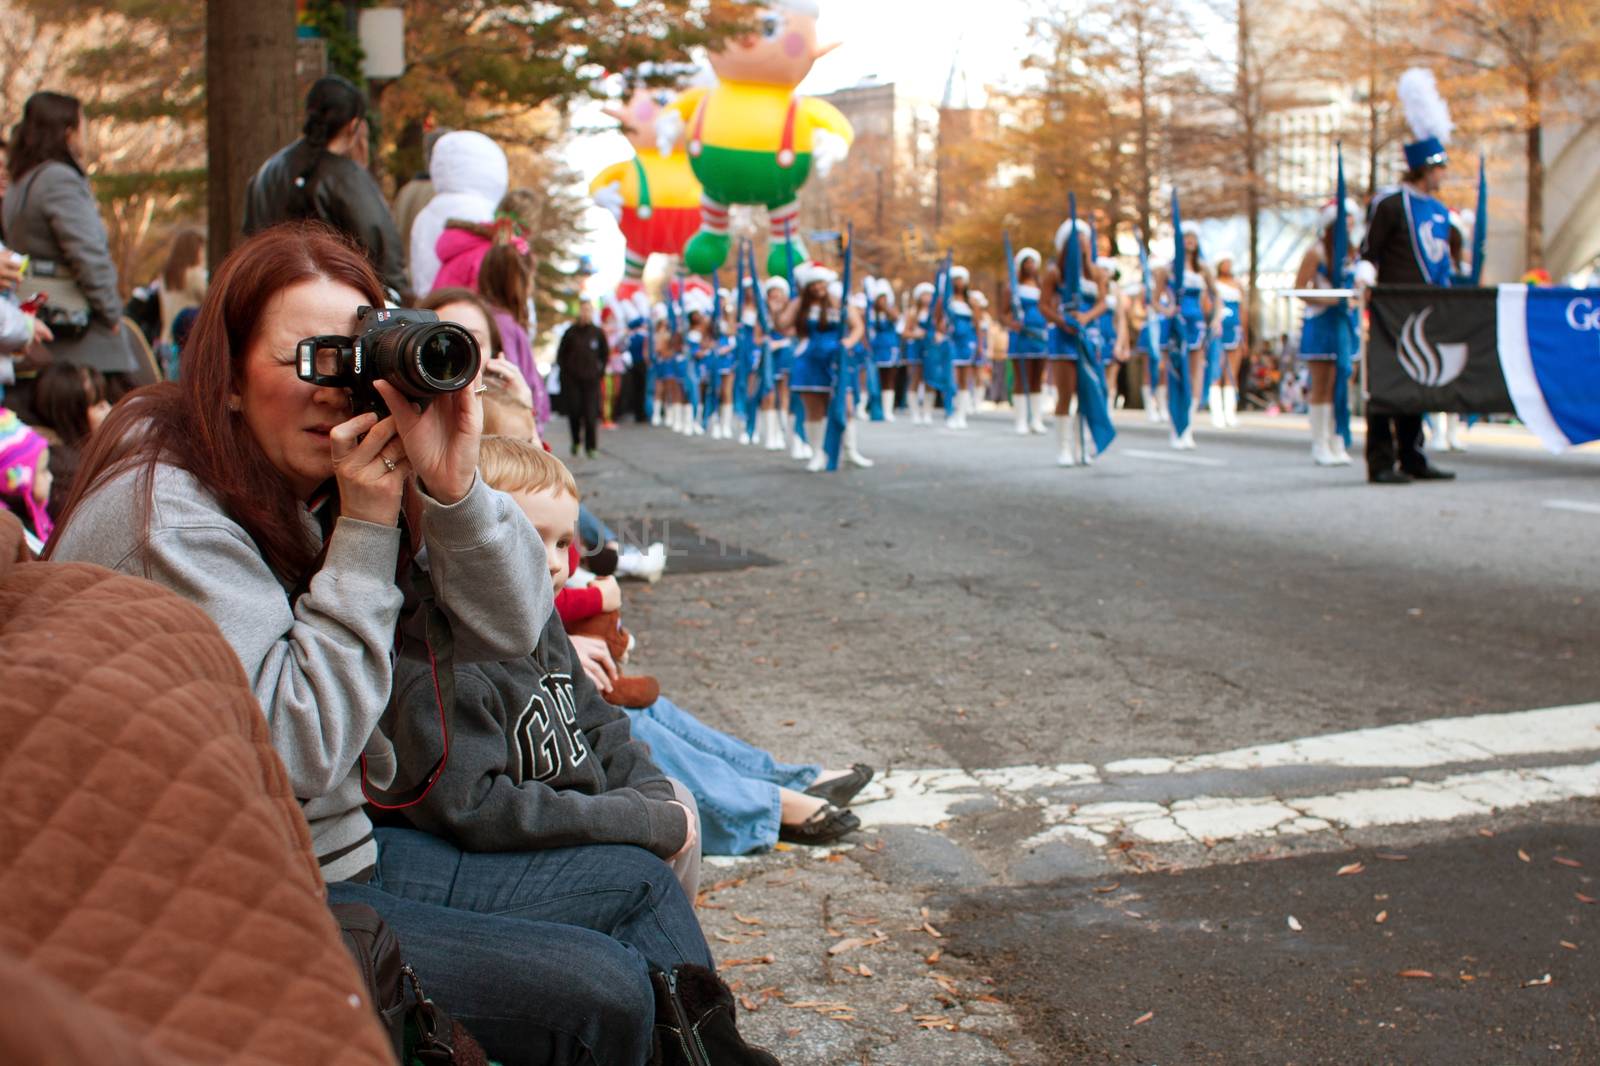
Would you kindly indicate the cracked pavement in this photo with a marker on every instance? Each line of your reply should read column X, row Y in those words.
column 1123, row 633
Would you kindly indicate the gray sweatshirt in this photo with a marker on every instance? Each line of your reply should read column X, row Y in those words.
column 538, row 758
column 321, row 667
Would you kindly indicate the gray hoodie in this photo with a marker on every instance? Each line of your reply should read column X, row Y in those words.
column 321, row 666
column 538, row 758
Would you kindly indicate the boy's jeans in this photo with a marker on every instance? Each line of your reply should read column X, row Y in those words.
column 735, row 783
column 542, row 955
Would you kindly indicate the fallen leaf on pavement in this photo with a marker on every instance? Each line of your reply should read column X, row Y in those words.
column 1353, row 868
column 1486, row 832
column 934, row 958
column 1538, row 981
column 901, row 1009
column 1141, row 1019
column 1107, row 889
column 1569, row 945
column 1523, row 855
column 850, row 943
column 1294, row 923
column 1581, row 898
column 1564, row 861
column 757, row 960
column 931, row 931
column 864, row 970
column 1383, row 916
column 1423, row 974
column 742, row 920
column 749, row 1004
column 988, row 998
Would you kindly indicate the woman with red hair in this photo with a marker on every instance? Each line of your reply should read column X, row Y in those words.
column 261, row 498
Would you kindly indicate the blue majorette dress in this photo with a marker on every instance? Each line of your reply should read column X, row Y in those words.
column 1191, row 308
column 816, row 356
column 963, row 333
column 1107, row 325
column 1324, row 329
column 1032, row 341
column 1232, row 312
column 885, row 332
column 1066, row 344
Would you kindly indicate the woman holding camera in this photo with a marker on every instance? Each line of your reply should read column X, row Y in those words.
column 256, row 494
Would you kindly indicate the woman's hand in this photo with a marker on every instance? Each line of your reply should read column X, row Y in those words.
column 371, row 470
column 510, row 376
column 596, row 660
column 441, row 443
column 691, row 835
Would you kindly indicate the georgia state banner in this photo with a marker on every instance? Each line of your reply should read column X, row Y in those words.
column 1515, row 348
column 1549, row 341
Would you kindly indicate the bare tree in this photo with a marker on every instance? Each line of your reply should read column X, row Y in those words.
column 1525, row 62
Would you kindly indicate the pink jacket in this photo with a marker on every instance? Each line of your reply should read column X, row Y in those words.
column 460, row 253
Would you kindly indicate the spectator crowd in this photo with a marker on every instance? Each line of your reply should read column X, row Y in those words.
column 405, row 587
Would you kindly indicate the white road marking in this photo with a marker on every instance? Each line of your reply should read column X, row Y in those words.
column 929, row 797
column 1166, row 457
column 1578, row 506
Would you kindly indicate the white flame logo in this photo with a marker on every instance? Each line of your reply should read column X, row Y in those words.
column 1425, row 363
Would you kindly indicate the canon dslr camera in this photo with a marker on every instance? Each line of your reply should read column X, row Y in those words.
column 419, row 355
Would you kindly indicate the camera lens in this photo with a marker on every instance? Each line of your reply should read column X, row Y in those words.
column 424, row 359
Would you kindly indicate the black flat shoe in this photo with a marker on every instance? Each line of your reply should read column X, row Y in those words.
column 1431, row 473
column 824, row 827
column 841, row 790
column 1389, row 477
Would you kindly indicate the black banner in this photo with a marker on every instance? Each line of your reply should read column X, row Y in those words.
column 1434, row 350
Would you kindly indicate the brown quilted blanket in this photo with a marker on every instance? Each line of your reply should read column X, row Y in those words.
column 153, row 862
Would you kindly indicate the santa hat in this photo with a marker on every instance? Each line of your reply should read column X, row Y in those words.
column 697, row 300
column 1031, row 253
column 877, row 287
column 1330, row 211
column 780, row 284
column 924, row 288
column 1067, row 227
column 1428, row 116
column 960, row 273
column 808, row 273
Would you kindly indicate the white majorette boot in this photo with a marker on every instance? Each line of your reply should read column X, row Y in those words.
column 1147, row 396
column 819, row 454
column 888, row 398
column 1321, row 429
column 1036, row 423
column 727, row 424
column 1019, row 401
column 1069, row 452
column 770, row 431
column 1163, row 412
column 1188, row 434
column 1454, row 428
column 852, row 454
column 658, row 414
column 716, row 424
column 798, row 448
column 1341, row 456
column 675, row 417
column 1219, row 417
column 1230, row 406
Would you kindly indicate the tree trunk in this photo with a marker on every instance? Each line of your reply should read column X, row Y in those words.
column 251, row 105
column 1252, row 174
column 1533, row 248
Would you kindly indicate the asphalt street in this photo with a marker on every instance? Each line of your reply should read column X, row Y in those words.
column 1074, row 652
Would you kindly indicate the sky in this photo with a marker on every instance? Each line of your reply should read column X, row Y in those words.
column 909, row 42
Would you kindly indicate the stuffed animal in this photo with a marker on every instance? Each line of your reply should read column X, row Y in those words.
column 654, row 197
column 751, row 140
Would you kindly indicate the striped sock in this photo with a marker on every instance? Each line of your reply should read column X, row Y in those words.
column 785, row 221
column 713, row 216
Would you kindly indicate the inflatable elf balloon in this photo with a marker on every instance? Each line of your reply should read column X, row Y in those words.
column 654, row 196
column 751, row 140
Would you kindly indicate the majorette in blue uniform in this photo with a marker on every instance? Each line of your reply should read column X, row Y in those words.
column 1079, row 343
column 1222, row 393
column 914, row 350
column 1029, row 343
column 883, row 338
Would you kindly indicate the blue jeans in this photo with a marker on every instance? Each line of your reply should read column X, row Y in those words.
column 594, row 533
column 735, row 784
column 544, row 956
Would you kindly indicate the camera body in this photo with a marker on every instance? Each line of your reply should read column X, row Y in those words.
column 413, row 351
